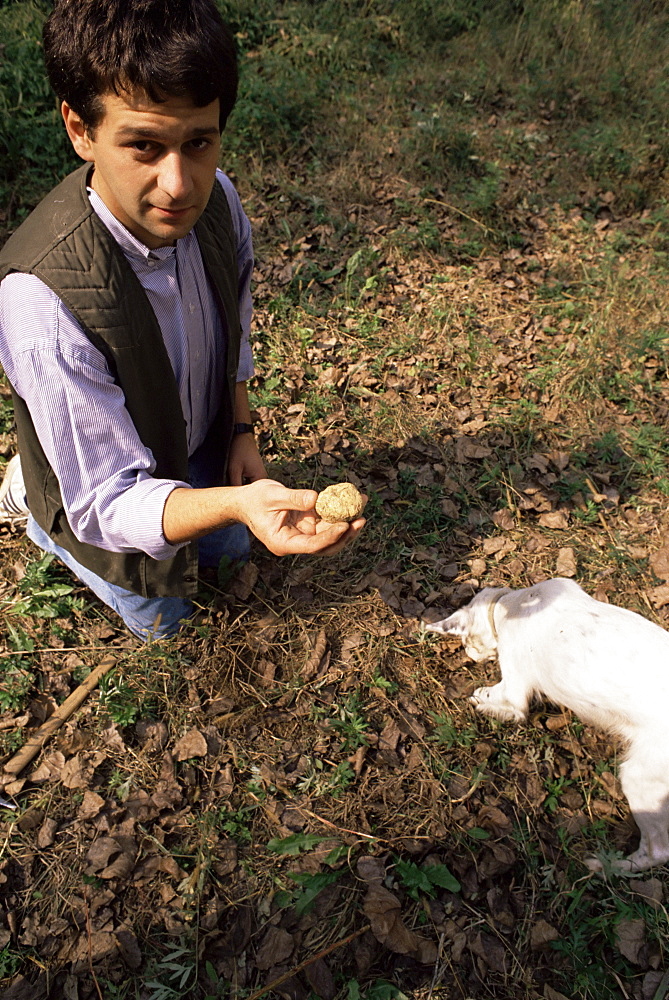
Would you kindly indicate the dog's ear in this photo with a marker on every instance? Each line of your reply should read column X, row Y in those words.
column 455, row 624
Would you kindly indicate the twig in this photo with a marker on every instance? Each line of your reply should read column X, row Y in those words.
column 89, row 936
column 314, row 958
column 436, row 965
column 59, row 649
column 20, row 760
column 445, row 204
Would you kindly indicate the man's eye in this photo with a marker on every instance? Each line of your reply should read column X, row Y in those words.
column 142, row 146
column 200, row 144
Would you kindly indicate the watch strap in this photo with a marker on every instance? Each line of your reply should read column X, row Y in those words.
column 242, row 429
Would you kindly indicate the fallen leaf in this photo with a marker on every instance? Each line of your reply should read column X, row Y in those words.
column 371, row 869
column 129, row 947
column 47, row 833
column 383, row 910
column 91, row 805
column 659, row 563
column 660, row 596
column 652, row 890
column 320, row 979
column 630, row 936
column 467, row 448
column 566, row 563
column 554, row 519
column 193, row 744
column 542, row 934
column 277, row 946
column 243, row 583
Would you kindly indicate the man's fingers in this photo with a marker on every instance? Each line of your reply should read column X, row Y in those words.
column 300, row 500
column 295, row 542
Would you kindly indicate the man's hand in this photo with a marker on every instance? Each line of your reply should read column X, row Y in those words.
column 284, row 520
column 244, row 463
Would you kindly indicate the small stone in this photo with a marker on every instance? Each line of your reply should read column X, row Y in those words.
column 340, row 502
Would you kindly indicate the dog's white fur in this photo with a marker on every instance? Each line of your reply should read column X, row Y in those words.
column 608, row 665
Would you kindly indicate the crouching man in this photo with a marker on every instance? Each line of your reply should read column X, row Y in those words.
column 124, row 323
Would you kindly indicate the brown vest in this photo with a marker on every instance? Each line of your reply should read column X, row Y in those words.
column 66, row 245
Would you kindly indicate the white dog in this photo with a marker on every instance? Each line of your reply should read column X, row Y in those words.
column 608, row 665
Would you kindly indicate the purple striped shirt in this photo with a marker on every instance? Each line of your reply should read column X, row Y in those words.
column 110, row 496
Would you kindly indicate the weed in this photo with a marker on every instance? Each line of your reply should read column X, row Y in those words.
column 310, row 886
column 119, row 699
column 425, row 878
column 45, row 592
column 350, row 722
column 236, row 822
column 380, row 989
column 449, row 734
column 10, row 962
column 172, row 975
column 120, row 784
column 379, row 681
column 318, row 780
column 295, row 843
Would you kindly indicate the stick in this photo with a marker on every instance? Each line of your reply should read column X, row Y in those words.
column 61, row 715
column 308, row 961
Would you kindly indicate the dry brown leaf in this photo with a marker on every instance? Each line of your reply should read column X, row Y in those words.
column 47, row 833
column 310, row 668
column 652, row 890
column 320, row 979
column 244, row 582
column 371, row 869
column 77, row 772
column 554, row 519
column 192, row 744
column 129, row 947
column 551, row 994
column 566, row 563
column 542, row 934
column 467, row 448
column 660, row 596
column 109, row 857
column 488, row 948
column 504, row 519
column 91, row 805
column 277, row 946
column 49, row 769
column 630, row 936
column 383, row 910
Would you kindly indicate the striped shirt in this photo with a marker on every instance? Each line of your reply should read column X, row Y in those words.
column 110, row 497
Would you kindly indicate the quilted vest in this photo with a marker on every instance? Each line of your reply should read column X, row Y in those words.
column 66, row 245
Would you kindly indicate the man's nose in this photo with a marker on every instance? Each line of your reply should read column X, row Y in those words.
column 174, row 177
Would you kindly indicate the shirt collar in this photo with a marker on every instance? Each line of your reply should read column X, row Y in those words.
column 129, row 244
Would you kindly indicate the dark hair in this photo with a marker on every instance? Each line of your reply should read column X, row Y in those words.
column 167, row 48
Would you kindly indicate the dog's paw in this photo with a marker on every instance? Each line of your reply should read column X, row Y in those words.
column 637, row 862
column 486, row 700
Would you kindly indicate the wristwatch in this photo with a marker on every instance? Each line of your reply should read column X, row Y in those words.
column 242, row 429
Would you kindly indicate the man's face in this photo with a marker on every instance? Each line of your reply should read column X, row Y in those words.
column 154, row 164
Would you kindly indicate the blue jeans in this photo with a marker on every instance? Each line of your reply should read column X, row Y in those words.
column 155, row 617
column 141, row 614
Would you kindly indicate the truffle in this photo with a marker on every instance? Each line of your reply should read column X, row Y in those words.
column 340, row 502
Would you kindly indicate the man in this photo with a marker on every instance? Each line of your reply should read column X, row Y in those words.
column 124, row 323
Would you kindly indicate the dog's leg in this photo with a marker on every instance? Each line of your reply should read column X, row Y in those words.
column 644, row 777
column 503, row 701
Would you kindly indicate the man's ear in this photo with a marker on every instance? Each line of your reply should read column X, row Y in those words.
column 79, row 135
